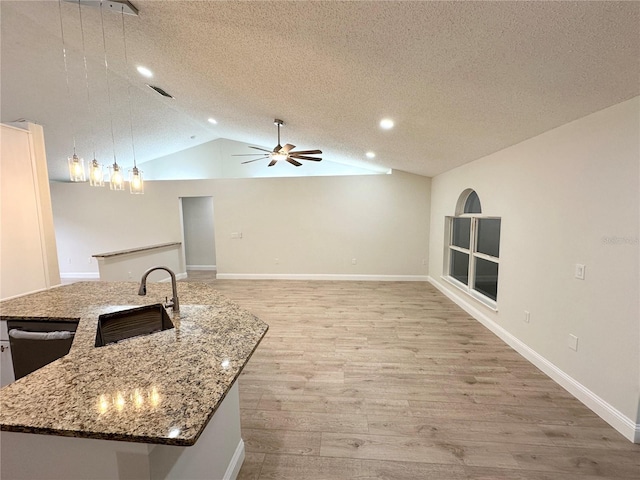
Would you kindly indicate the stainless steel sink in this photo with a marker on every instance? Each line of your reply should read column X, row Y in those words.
column 135, row 322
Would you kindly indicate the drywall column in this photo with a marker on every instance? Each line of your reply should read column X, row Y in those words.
column 27, row 239
column 46, row 212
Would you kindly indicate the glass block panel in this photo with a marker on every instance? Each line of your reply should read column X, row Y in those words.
column 461, row 232
column 459, row 268
column 486, row 281
column 472, row 205
column 489, row 236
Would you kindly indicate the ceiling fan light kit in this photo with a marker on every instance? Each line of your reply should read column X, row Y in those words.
column 280, row 153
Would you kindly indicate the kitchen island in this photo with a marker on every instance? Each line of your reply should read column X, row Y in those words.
column 164, row 405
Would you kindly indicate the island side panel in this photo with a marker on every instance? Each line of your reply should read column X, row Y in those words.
column 218, row 454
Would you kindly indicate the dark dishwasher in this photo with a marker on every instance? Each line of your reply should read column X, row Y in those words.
column 36, row 343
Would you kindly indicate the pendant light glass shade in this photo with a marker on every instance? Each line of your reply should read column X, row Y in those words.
column 76, row 169
column 136, row 183
column 96, row 175
column 116, row 178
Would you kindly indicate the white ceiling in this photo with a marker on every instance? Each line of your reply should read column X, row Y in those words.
column 460, row 79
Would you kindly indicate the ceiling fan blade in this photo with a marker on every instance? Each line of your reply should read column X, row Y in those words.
column 303, row 157
column 293, row 162
column 254, row 160
column 272, row 163
column 308, row 152
column 263, row 149
column 288, row 147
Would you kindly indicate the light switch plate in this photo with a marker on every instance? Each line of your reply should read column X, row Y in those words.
column 580, row 268
column 573, row 342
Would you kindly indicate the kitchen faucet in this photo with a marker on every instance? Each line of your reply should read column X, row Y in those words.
column 173, row 303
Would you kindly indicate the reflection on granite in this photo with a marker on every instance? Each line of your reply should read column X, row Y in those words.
column 160, row 388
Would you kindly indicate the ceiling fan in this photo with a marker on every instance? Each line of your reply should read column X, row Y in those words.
column 281, row 153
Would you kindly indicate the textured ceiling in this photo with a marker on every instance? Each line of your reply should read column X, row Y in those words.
column 460, row 79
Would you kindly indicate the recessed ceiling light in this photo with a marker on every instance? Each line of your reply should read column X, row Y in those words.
column 386, row 123
column 213, row 121
column 144, row 71
column 370, row 155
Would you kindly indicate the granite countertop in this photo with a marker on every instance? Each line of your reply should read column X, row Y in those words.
column 161, row 388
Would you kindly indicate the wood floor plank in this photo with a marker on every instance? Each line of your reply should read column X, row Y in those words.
column 385, row 447
column 392, row 381
column 297, row 467
column 251, row 466
column 303, row 421
column 458, row 431
column 300, row 442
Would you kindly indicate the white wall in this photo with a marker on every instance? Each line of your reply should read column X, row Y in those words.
column 312, row 225
column 199, row 232
column 131, row 266
column 91, row 220
column 565, row 197
column 27, row 240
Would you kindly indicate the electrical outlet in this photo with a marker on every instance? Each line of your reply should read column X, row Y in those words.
column 89, row 260
column 424, row 262
column 130, row 276
column 69, row 260
column 527, row 316
column 277, row 261
column 353, row 261
column 573, row 342
column 580, row 271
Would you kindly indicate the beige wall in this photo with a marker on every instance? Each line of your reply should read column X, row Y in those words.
column 27, row 239
column 565, row 197
column 312, row 225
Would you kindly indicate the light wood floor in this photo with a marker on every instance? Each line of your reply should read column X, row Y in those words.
column 376, row 380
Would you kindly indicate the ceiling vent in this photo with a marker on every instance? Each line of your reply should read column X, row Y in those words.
column 115, row 6
column 160, row 91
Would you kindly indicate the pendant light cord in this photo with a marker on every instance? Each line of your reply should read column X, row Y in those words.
column 86, row 79
column 106, row 74
column 66, row 69
column 126, row 63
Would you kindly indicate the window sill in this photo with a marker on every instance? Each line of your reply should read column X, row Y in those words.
column 487, row 302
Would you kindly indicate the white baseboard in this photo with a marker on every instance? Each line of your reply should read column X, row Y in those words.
column 623, row 424
column 236, row 463
column 179, row 276
column 81, row 275
column 202, row 267
column 322, row 276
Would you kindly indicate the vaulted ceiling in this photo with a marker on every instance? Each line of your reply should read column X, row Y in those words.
column 460, row 79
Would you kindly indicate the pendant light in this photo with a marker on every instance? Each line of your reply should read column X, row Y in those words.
column 96, row 175
column 116, row 179
column 75, row 163
column 136, row 182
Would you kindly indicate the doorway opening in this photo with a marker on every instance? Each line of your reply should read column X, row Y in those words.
column 199, row 236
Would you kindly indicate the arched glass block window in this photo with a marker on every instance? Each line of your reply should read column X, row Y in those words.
column 473, row 249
